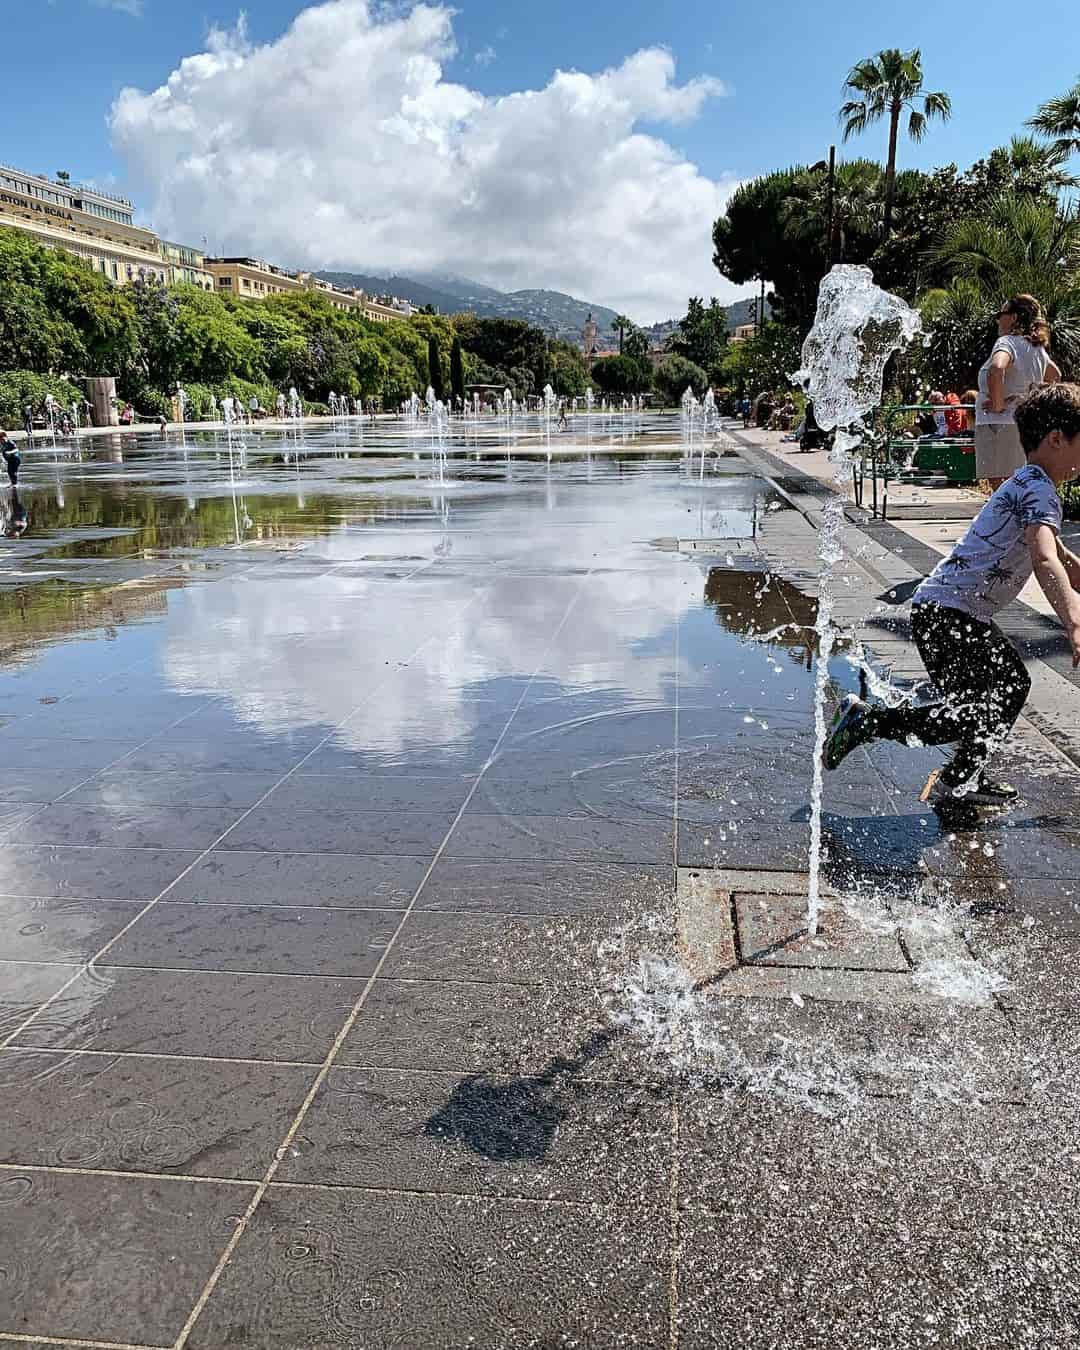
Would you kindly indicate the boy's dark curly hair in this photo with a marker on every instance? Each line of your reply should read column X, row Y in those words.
column 1050, row 407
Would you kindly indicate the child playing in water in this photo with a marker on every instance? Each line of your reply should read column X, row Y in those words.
column 11, row 457
column 978, row 672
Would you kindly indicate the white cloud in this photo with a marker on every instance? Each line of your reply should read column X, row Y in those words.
column 485, row 56
column 342, row 144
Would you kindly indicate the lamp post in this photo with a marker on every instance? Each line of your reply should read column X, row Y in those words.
column 830, row 237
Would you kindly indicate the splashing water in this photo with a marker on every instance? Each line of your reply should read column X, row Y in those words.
column 857, row 328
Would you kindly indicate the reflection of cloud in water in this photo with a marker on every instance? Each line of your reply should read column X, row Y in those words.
column 296, row 651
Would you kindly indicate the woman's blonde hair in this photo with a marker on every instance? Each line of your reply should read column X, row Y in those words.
column 1030, row 319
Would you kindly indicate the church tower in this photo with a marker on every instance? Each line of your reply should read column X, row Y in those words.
column 590, row 335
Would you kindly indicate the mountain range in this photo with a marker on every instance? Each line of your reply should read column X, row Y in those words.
column 561, row 315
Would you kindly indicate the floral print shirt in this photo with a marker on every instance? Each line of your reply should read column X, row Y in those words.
column 989, row 567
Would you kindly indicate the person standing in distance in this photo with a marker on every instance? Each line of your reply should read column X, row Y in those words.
column 1017, row 363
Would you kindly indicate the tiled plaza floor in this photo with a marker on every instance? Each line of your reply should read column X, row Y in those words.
column 338, row 896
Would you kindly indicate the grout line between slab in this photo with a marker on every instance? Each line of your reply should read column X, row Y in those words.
column 66, row 1052
column 24, row 1339
column 48, row 1170
column 676, row 1144
column 350, row 1021
column 302, row 975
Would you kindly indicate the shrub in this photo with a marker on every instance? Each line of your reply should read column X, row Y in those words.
column 674, row 374
column 20, row 387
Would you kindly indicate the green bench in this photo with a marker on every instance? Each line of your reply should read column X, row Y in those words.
column 889, row 457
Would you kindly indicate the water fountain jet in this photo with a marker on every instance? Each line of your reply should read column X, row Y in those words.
column 857, row 328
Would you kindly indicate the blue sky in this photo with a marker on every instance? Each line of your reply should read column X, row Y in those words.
column 785, row 62
column 782, row 63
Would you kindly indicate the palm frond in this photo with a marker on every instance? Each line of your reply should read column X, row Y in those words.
column 1060, row 116
column 856, row 118
column 937, row 104
column 916, row 126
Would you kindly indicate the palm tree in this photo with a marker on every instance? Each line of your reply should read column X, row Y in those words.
column 622, row 326
column 886, row 85
column 1023, row 245
column 1038, row 169
column 1060, row 118
column 856, row 206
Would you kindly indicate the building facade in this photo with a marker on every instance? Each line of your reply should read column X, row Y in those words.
column 91, row 224
column 101, row 228
column 186, row 266
column 254, row 279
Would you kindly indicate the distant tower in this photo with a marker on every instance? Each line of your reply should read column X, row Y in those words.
column 590, row 335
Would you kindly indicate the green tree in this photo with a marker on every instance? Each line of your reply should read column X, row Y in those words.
column 703, row 333
column 457, row 370
column 19, row 388
column 848, row 217
column 1031, row 168
column 58, row 314
column 959, row 332
column 675, row 374
column 1023, row 245
column 637, row 344
column 435, row 375
column 622, row 375
column 765, row 362
column 213, row 344
column 1059, row 118
column 885, row 86
column 569, row 373
column 751, row 244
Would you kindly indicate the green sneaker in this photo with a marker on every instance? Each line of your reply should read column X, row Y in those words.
column 852, row 727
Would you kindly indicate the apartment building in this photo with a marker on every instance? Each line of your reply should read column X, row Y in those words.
column 254, row 279
column 101, row 228
column 91, row 224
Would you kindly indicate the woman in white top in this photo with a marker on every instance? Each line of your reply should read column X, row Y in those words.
column 1018, row 362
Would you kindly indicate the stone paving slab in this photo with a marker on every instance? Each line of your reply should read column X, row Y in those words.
column 816, row 1285
column 533, row 1138
column 197, row 1013
column 197, row 1118
column 296, row 880
column 342, row 1269
column 713, row 1151
column 109, row 1258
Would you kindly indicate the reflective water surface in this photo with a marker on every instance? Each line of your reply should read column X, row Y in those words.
column 342, row 795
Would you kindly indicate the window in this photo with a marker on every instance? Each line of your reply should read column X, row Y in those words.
column 224, row 281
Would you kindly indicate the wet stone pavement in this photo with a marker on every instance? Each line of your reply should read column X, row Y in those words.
column 401, row 936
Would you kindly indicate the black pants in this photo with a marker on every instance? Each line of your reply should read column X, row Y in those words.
column 983, row 685
column 12, row 460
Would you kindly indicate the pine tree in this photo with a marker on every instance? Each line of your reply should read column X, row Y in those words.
column 457, row 370
column 435, row 367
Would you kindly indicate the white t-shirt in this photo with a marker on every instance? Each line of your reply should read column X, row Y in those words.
column 1027, row 368
column 990, row 566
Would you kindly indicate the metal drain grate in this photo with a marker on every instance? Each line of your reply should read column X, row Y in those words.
column 743, row 934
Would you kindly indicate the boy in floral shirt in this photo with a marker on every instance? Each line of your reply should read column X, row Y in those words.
column 978, row 672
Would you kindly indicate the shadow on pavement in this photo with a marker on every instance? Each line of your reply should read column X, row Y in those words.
column 516, row 1118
